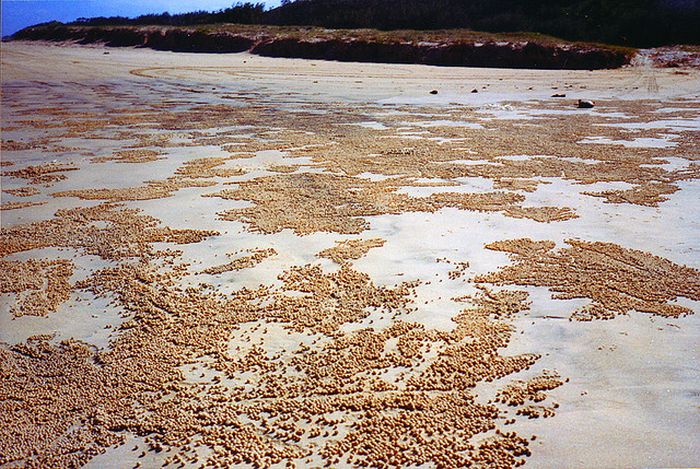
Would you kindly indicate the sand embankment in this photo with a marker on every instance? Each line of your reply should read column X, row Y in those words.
column 349, row 46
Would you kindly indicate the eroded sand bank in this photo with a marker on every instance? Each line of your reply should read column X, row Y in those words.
column 230, row 259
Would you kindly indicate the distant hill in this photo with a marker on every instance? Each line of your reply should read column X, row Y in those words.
column 638, row 23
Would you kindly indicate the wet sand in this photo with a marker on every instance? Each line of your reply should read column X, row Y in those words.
column 232, row 259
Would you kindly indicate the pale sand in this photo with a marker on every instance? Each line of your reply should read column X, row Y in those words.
column 632, row 398
column 338, row 80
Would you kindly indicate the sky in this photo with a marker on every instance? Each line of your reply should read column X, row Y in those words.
column 17, row 14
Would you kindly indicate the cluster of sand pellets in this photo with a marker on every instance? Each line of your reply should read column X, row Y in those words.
column 109, row 231
column 26, row 191
column 487, row 150
column 616, row 280
column 327, row 398
column 328, row 401
column 194, row 173
column 46, row 174
column 393, row 149
column 131, row 156
column 650, row 195
column 15, row 205
column 460, row 268
column 533, row 389
column 244, row 262
column 515, row 184
column 527, row 394
column 150, row 190
column 313, row 202
column 200, row 375
column 40, row 285
column 350, row 249
column 458, row 271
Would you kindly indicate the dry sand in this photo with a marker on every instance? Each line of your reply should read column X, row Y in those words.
column 231, row 259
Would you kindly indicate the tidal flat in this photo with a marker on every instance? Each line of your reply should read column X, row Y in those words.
column 228, row 259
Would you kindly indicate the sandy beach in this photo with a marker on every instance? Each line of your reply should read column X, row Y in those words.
column 228, row 259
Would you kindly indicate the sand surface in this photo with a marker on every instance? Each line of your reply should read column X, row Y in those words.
column 239, row 260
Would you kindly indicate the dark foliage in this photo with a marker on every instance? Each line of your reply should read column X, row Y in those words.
column 241, row 13
column 640, row 23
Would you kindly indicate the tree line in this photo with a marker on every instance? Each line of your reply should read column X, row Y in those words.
column 240, row 13
column 639, row 23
